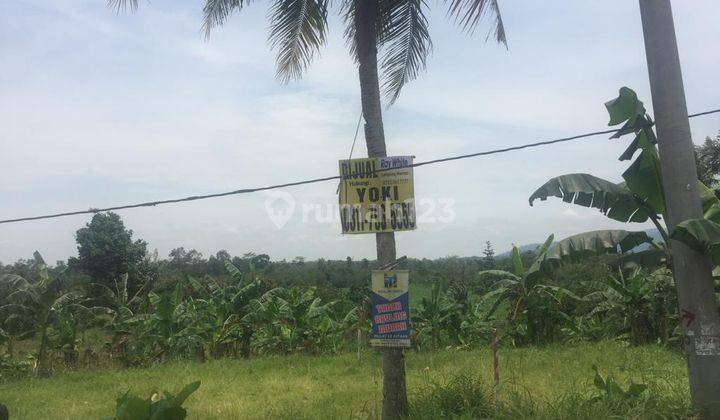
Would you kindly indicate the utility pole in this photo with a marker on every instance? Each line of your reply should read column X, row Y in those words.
column 692, row 270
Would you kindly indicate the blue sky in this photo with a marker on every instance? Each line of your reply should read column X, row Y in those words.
column 98, row 109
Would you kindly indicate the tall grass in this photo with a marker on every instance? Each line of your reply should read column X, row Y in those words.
column 469, row 397
column 548, row 382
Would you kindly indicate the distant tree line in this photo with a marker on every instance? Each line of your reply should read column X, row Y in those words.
column 107, row 250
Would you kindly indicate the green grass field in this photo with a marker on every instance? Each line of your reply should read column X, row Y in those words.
column 343, row 387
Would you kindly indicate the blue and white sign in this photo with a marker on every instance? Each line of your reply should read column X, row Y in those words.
column 390, row 309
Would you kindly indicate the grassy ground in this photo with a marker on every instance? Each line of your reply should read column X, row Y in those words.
column 342, row 386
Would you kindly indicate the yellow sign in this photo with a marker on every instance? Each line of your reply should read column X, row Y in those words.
column 377, row 195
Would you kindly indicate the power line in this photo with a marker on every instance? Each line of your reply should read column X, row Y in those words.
column 700, row 114
column 327, row 178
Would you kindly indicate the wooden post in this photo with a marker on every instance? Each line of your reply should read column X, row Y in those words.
column 495, row 362
column 692, row 270
column 359, row 341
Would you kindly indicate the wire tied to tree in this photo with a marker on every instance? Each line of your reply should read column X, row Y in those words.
column 352, row 148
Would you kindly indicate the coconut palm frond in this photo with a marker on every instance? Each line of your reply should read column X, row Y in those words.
column 468, row 14
column 121, row 6
column 407, row 45
column 348, row 9
column 216, row 12
column 498, row 30
column 297, row 31
column 382, row 22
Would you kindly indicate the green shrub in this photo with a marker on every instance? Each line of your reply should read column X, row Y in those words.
column 462, row 396
column 155, row 407
column 12, row 369
column 634, row 401
column 465, row 397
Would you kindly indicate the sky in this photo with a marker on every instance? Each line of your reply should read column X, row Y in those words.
column 99, row 109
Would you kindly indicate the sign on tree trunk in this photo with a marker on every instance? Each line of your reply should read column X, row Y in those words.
column 390, row 309
column 377, row 195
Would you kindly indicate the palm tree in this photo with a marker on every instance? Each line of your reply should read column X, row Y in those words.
column 399, row 29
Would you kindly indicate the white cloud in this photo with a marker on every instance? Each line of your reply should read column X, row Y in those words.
column 570, row 213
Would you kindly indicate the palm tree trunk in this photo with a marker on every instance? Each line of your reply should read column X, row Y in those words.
column 395, row 402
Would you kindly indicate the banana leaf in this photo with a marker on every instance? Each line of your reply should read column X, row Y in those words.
column 644, row 179
column 700, row 234
column 536, row 268
column 595, row 243
column 710, row 203
column 625, row 108
column 616, row 201
column 644, row 139
column 649, row 258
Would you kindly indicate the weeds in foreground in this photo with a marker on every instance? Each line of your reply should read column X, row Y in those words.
column 462, row 396
column 156, row 407
column 13, row 369
column 466, row 397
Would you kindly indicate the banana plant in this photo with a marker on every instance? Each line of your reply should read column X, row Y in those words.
column 64, row 334
column 357, row 322
column 476, row 326
column 41, row 302
column 13, row 326
column 175, row 326
column 434, row 315
column 116, row 303
column 641, row 300
column 165, row 406
column 637, row 199
column 640, row 196
column 534, row 303
column 289, row 320
column 224, row 304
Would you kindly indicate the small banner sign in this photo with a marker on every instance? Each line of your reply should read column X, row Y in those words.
column 390, row 310
column 377, row 195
